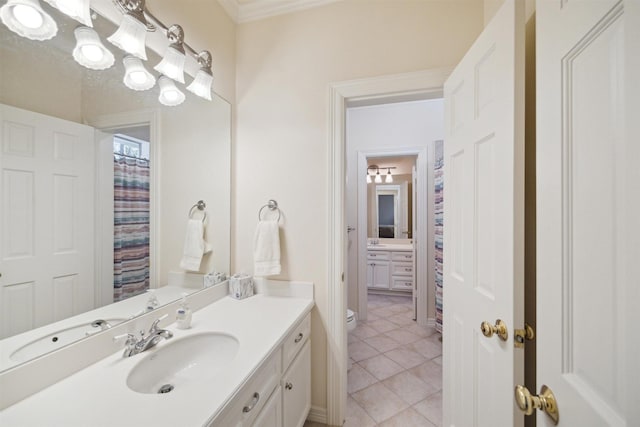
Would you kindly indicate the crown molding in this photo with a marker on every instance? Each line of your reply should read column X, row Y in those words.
column 261, row 9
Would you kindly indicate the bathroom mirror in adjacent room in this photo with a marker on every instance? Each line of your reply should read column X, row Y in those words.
column 390, row 201
column 66, row 207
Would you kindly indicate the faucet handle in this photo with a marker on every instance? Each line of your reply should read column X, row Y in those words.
column 130, row 339
column 154, row 325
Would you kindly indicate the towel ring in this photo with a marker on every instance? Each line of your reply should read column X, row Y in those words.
column 200, row 205
column 272, row 205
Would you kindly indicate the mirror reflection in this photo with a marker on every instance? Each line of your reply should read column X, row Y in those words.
column 390, row 197
column 86, row 166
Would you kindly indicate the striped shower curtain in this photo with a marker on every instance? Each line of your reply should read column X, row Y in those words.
column 438, row 213
column 131, row 227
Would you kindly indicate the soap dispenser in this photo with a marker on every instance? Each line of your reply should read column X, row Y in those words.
column 183, row 314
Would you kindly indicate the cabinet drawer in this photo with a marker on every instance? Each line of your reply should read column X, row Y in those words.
column 295, row 340
column 249, row 401
column 378, row 255
column 402, row 269
column 402, row 283
column 402, row 256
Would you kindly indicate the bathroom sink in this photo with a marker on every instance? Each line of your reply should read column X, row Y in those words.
column 183, row 361
column 57, row 339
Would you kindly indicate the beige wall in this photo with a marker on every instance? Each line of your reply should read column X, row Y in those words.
column 284, row 66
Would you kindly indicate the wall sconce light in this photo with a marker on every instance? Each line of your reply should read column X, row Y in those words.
column 77, row 9
column 132, row 32
column 27, row 19
column 89, row 51
column 170, row 95
column 378, row 177
column 136, row 76
column 389, row 178
column 172, row 63
column 201, row 85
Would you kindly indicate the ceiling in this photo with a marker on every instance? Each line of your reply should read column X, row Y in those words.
column 252, row 10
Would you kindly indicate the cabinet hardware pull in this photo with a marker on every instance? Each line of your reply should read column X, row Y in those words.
column 407, row 269
column 288, row 386
column 299, row 338
column 254, row 402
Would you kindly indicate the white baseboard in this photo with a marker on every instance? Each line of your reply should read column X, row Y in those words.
column 431, row 322
column 317, row 415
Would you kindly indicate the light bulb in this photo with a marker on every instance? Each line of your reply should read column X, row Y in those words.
column 368, row 179
column 378, row 179
column 92, row 52
column 138, row 77
column 28, row 16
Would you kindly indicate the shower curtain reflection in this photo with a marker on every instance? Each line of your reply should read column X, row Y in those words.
column 131, row 227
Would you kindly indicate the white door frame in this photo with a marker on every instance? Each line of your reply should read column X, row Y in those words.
column 421, row 82
column 423, row 222
column 151, row 118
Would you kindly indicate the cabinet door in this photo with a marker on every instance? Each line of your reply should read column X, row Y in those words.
column 380, row 275
column 271, row 414
column 370, row 267
column 296, row 389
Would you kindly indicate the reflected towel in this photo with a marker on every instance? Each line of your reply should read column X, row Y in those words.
column 194, row 246
column 266, row 249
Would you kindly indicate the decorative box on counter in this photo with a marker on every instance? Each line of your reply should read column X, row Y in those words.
column 214, row 278
column 240, row 286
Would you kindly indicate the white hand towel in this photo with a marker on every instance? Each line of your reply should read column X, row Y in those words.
column 266, row 249
column 194, row 246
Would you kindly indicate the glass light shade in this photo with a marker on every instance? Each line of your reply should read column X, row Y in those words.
column 378, row 179
column 389, row 178
column 27, row 19
column 170, row 95
column 137, row 77
column 76, row 9
column 89, row 51
column 130, row 36
column 201, row 85
column 172, row 64
column 368, row 179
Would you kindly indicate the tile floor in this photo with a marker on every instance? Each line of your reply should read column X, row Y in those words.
column 396, row 376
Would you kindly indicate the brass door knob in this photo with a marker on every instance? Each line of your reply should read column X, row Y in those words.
column 500, row 329
column 545, row 401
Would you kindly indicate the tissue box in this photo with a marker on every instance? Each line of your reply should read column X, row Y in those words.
column 240, row 286
column 213, row 279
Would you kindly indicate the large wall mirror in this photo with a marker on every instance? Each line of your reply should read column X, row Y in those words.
column 87, row 165
column 390, row 197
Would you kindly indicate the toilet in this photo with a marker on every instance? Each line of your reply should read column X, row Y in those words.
column 351, row 320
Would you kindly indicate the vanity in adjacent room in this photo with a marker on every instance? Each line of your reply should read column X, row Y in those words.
column 390, row 268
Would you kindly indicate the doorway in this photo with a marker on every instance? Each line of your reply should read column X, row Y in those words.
column 389, row 209
column 387, row 88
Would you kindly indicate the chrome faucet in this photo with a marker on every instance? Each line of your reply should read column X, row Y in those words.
column 134, row 346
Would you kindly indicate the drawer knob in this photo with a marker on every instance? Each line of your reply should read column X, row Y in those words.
column 288, row 386
column 407, row 269
column 299, row 338
column 254, row 402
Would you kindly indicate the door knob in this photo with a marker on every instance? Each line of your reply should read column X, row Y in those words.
column 545, row 401
column 500, row 329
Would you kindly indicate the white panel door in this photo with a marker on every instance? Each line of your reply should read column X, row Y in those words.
column 483, row 233
column 588, row 209
column 46, row 219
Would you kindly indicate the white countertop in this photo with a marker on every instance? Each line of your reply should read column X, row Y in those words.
column 98, row 395
column 390, row 247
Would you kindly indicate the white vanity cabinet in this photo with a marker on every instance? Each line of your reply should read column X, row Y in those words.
column 278, row 394
column 390, row 271
column 378, row 269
